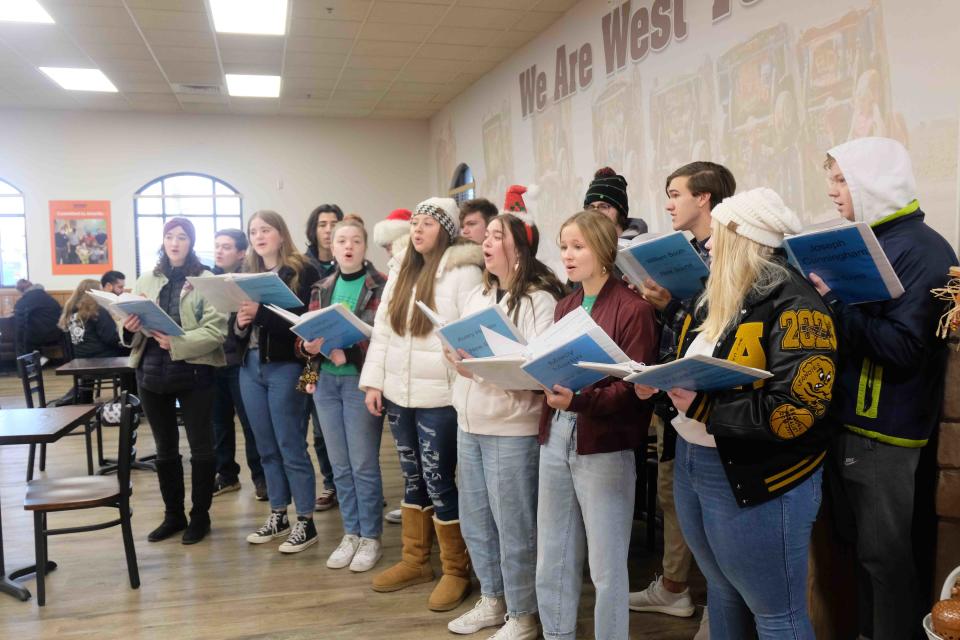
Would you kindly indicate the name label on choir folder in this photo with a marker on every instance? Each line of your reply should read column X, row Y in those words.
column 670, row 260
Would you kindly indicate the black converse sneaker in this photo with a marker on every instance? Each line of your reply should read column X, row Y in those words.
column 276, row 525
column 302, row 535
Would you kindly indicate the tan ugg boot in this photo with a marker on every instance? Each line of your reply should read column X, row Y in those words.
column 454, row 584
column 414, row 566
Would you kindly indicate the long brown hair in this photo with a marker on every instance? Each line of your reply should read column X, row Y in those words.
column 289, row 256
column 80, row 303
column 416, row 270
column 531, row 274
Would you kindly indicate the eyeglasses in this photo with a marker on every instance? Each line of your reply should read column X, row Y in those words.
column 600, row 206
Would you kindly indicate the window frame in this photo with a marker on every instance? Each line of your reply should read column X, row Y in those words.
column 162, row 197
column 460, row 189
column 26, row 243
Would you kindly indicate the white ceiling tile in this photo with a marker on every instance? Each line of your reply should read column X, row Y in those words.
column 89, row 15
column 349, row 83
column 408, row 33
column 257, row 58
column 435, row 2
column 316, row 102
column 254, row 106
column 99, row 51
column 301, row 59
column 154, row 98
column 178, row 20
column 193, row 72
column 196, row 6
column 421, row 87
column 435, row 65
column 253, row 69
column 536, row 21
column 185, row 54
column 398, row 95
column 49, row 48
column 297, row 112
column 141, row 87
column 348, row 112
column 142, row 70
column 298, row 86
column 473, row 18
column 426, row 76
column 370, row 74
column 356, row 96
column 319, row 73
column 374, row 62
column 115, row 35
column 246, row 42
column 555, row 5
column 341, row 9
column 325, row 28
column 521, row 5
column 494, row 54
column 318, row 45
column 51, row 4
column 449, row 51
column 453, row 35
column 173, row 38
column 195, row 98
column 380, row 48
column 402, row 13
column 514, row 38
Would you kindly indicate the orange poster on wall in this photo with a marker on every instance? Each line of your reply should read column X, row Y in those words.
column 80, row 237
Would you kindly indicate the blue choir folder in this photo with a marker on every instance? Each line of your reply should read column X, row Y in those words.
column 559, row 365
column 152, row 317
column 848, row 258
column 694, row 373
column 467, row 333
column 336, row 324
column 226, row 292
column 669, row 259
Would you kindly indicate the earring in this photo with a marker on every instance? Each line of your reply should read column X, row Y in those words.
column 603, row 270
column 516, row 265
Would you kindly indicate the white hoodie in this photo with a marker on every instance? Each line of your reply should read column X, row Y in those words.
column 488, row 410
column 879, row 174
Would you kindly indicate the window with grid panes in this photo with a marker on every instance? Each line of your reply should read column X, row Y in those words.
column 208, row 202
column 13, row 235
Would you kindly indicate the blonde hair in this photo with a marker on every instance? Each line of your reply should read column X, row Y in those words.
column 739, row 267
column 80, row 303
column 350, row 220
column 600, row 234
column 289, row 256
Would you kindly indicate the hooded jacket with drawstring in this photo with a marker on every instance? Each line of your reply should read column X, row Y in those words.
column 892, row 364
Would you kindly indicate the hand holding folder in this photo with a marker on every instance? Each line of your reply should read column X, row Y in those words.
column 152, row 317
column 228, row 291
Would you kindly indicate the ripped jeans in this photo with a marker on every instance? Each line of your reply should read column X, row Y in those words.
column 427, row 444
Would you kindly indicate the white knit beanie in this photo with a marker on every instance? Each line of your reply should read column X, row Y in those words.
column 444, row 211
column 758, row 214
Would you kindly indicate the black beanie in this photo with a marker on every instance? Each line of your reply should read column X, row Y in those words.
column 609, row 187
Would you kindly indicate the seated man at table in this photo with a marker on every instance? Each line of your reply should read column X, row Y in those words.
column 113, row 281
column 36, row 314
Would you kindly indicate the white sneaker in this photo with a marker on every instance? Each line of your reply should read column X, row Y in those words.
column 367, row 556
column 394, row 517
column 488, row 612
column 703, row 633
column 343, row 554
column 522, row 628
column 656, row 599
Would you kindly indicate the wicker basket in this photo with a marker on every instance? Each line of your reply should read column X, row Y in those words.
column 944, row 595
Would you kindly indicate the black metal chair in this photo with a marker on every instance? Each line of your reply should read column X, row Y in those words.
column 30, row 369
column 87, row 492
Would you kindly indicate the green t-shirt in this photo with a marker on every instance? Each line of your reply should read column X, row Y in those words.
column 588, row 303
column 347, row 293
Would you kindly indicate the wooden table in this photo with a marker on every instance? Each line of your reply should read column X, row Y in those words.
column 100, row 368
column 35, row 426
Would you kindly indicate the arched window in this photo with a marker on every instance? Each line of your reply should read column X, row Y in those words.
column 13, row 235
column 209, row 203
column 462, row 186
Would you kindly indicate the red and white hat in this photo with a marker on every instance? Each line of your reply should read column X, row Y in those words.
column 514, row 205
column 395, row 226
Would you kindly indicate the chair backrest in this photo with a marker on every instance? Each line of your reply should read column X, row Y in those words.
column 130, row 404
column 30, row 369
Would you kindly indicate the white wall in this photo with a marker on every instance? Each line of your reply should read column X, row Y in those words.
column 366, row 166
column 673, row 106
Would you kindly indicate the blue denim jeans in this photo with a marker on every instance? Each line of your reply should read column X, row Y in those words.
column 585, row 509
column 498, row 514
column 319, row 446
column 276, row 409
column 754, row 558
column 227, row 403
column 427, row 444
column 352, row 435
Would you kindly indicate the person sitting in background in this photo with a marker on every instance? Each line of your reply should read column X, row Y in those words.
column 113, row 281
column 229, row 252
column 393, row 233
column 36, row 315
column 474, row 216
column 90, row 327
column 607, row 194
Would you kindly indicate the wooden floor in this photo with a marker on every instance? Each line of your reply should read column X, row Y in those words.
column 225, row 587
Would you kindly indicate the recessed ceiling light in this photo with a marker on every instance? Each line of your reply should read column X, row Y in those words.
column 23, row 11
column 265, row 17
column 247, row 86
column 80, row 79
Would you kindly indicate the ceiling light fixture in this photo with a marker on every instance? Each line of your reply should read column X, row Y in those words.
column 80, row 79
column 248, row 86
column 23, row 11
column 263, row 17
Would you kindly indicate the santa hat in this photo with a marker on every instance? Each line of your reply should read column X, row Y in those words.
column 394, row 227
column 514, row 205
column 757, row 214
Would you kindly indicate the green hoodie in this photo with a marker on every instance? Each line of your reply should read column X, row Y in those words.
column 204, row 327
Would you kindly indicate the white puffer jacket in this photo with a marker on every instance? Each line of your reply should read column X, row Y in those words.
column 410, row 371
column 488, row 410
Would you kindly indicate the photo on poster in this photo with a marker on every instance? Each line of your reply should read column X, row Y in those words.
column 80, row 235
